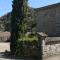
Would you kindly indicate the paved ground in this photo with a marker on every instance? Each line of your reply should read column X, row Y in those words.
column 56, row 57
column 3, row 48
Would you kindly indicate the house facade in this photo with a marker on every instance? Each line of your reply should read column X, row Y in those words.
column 48, row 19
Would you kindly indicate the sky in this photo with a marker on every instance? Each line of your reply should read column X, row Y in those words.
column 6, row 5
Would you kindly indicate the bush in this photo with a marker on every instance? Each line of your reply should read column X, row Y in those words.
column 31, row 35
column 25, row 49
column 19, row 49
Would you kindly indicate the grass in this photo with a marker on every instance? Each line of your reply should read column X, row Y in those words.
column 27, row 38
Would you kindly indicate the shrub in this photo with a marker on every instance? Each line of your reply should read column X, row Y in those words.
column 25, row 49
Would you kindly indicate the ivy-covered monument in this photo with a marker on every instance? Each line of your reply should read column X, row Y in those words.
column 24, row 43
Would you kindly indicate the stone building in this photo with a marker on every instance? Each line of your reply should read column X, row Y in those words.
column 47, row 19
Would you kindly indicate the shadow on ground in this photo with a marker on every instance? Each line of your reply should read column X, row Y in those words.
column 7, row 56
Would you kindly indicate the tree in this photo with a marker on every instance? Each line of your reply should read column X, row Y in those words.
column 31, row 19
column 18, row 22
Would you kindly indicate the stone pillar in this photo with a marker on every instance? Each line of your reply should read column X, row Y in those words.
column 41, row 43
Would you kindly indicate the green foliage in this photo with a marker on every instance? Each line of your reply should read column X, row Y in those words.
column 24, row 46
column 32, row 34
column 19, row 49
column 19, row 26
column 18, row 22
column 24, row 50
column 29, row 37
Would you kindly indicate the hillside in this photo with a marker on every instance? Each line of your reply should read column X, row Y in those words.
column 6, row 19
column 5, row 22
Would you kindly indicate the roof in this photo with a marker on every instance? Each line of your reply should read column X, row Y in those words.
column 49, row 6
column 41, row 34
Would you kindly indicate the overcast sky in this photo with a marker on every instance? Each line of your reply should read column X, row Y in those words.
column 6, row 5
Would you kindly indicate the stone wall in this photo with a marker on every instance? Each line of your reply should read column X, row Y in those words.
column 5, row 36
column 48, row 20
column 51, row 49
